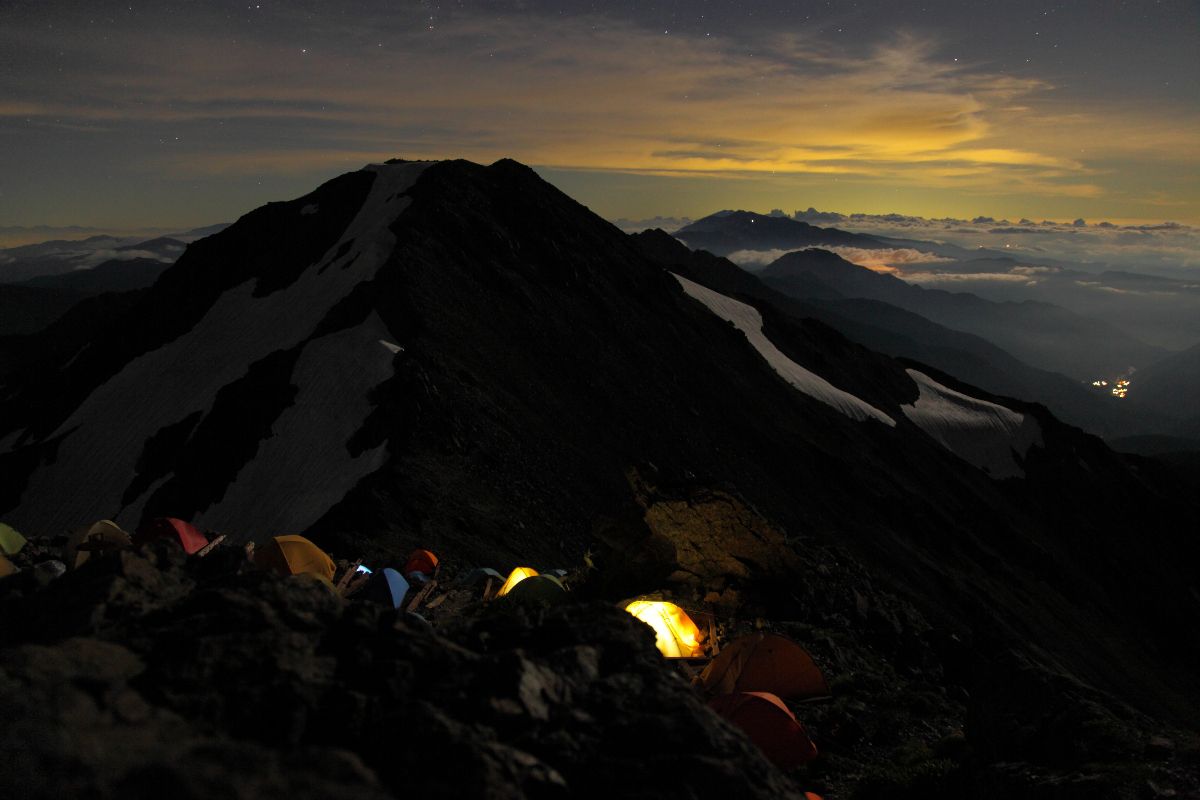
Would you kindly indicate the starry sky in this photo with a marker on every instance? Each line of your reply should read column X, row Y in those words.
column 186, row 113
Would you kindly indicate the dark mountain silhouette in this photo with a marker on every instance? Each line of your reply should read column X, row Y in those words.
column 892, row 330
column 116, row 275
column 27, row 309
column 1170, row 387
column 460, row 357
column 32, row 305
column 729, row 231
column 1041, row 334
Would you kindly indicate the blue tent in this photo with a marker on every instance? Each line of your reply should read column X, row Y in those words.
column 477, row 576
column 387, row 586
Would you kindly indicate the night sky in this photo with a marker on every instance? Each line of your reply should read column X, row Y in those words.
column 188, row 113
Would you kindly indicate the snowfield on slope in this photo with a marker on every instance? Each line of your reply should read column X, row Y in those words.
column 984, row 434
column 159, row 388
column 747, row 319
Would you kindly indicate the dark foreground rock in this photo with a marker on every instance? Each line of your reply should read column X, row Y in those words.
column 142, row 676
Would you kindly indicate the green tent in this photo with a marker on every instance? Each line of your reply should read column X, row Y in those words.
column 11, row 542
column 539, row 589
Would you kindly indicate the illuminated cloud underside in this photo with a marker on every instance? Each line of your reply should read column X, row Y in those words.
column 581, row 92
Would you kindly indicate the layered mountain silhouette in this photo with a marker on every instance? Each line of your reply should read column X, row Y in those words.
column 1047, row 336
column 1169, row 387
column 57, row 257
column 729, row 231
column 895, row 331
column 40, row 282
column 461, row 357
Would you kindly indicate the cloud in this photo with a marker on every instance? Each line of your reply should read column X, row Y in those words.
column 952, row 278
column 1171, row 248
column 894, row 258
column 100, row 256
column 580, row 92
column 881, row 260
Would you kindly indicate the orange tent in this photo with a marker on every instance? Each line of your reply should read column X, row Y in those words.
column 764, row 662
column 6, row 567
column 516, row 576
column 294, row 555
column 421, row 561
column 186, row 534
column 675, row 634
column 100, row 536
column 769, row 724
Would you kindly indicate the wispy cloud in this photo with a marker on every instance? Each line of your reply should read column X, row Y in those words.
column 591, row 93
column 586, row 93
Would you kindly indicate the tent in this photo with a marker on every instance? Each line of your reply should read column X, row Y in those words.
column 6, row 567
column 516, row 576
column 176, row 530
column 421, row 561
column 674, row 632
column 100, row 536
column 764, row 662
column 769, row 724
column 539, row 588
column 294, row 555
column 477, row 576
column 386, row 586
column 11, row 542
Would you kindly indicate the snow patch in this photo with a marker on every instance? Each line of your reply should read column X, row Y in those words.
column 748, row 320
column 984, row 434
column 305, row 462
column 391, row 347
column 105, row 435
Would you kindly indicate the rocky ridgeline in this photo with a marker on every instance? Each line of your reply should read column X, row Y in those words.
column 140, row 675
column 144, row 673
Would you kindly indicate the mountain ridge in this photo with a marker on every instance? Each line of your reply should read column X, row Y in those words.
column 461, row 357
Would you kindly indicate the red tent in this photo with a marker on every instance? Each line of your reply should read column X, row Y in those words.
column 170, row 528
column 421, row 561
column 764, row 662
column 769, row 724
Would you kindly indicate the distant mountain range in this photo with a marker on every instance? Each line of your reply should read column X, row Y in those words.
column 1042, row 334
column 729, row 231
column 898, row 332
column 40, row 282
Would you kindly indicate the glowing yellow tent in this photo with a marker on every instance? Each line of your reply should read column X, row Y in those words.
column 295, row 555
column 11, row 542
column 101, row 536
column 516, row 576
column 6, row 567
column 674, row 632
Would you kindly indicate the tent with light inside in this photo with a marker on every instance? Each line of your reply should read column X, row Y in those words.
column 675, row 634
column 764, row 662
column 539, row 589
column 294, row 555
column 11, row 542
column 102, row 536
column 421, row 561
column 516, row 576
column 6, row 567
column 768, row 723
column 185, row 534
